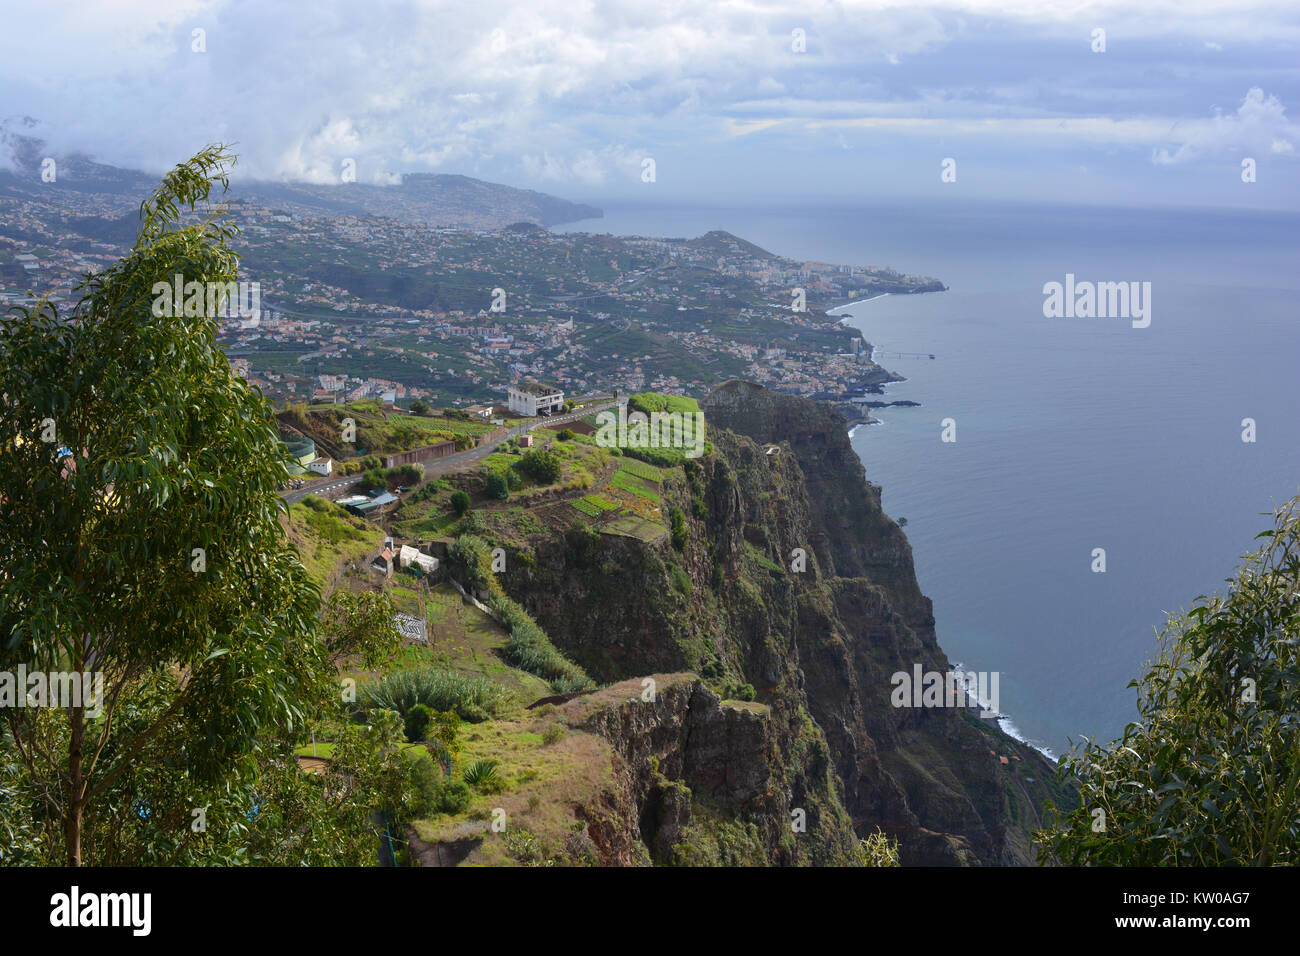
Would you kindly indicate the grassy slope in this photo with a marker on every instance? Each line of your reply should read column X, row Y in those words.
column 542, row 782
column 380, row 432
column 326, row 538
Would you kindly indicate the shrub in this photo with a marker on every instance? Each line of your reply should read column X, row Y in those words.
column 426, row 491
column 566, row 434
column 417, row 722
column 424, row 779
column 453, row 796
column 473, row 559
column 741, row 691
column 473, row 523
column 442, row 737
column 459, row 502
column 497, row 486
column 524, row 846
column 578, row 482
column 553, row 734
column 579, row 847
column 678, row 519
column 409, row 474
column 374, row 478
column 541, row 466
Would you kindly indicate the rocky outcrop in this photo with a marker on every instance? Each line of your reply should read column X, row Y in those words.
column 687, row 759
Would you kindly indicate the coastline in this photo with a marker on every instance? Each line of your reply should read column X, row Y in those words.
column 856, row 414
column 844, row 305
column 1005, row 722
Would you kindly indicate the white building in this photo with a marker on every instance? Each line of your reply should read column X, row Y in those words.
column 409, row 555
column 322, row 466
column 533, row 398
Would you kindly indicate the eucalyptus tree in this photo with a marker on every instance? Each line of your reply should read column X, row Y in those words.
column 139, row 534
column 1209, row 773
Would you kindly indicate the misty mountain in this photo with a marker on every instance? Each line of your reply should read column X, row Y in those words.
column 421, row 198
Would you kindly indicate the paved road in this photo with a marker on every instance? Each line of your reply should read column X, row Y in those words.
column 301, row 493
column 459, row 461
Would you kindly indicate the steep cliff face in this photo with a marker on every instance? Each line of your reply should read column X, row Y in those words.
column 793, row 580
column 701, row 780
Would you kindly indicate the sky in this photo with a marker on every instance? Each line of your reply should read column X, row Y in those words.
column 744, row 102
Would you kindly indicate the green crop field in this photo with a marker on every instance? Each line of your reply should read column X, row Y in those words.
column 641, row 470
column 649, row 402
column 593, row 505
column 629, row 482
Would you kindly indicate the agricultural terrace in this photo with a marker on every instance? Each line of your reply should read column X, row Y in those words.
column 564, row 479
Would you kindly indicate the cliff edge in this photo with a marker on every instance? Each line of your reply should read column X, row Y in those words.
column 790, row 585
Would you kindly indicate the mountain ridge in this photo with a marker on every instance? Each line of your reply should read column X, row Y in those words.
column 429, row 199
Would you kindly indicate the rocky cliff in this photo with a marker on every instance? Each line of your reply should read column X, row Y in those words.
column 794, row 586
column 705, row 781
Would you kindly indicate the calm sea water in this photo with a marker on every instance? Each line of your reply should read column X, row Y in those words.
column 1072, row 434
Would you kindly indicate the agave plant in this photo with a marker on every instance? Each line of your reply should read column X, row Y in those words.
column 481, row 774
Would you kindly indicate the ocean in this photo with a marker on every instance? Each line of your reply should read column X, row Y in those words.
column 1072, row 434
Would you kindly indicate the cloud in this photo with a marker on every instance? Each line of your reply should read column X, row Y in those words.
column 585, row 166
column 1259, row 125
column 552, row 91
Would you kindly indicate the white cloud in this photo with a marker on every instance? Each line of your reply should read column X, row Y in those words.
column 585, row 166
column 550, row 90
column 1259, row 125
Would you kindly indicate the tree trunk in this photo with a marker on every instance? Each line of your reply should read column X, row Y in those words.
column 76, row 787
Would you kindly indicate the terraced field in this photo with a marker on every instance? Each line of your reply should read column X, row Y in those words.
column 593, row 506
column 641, row 470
